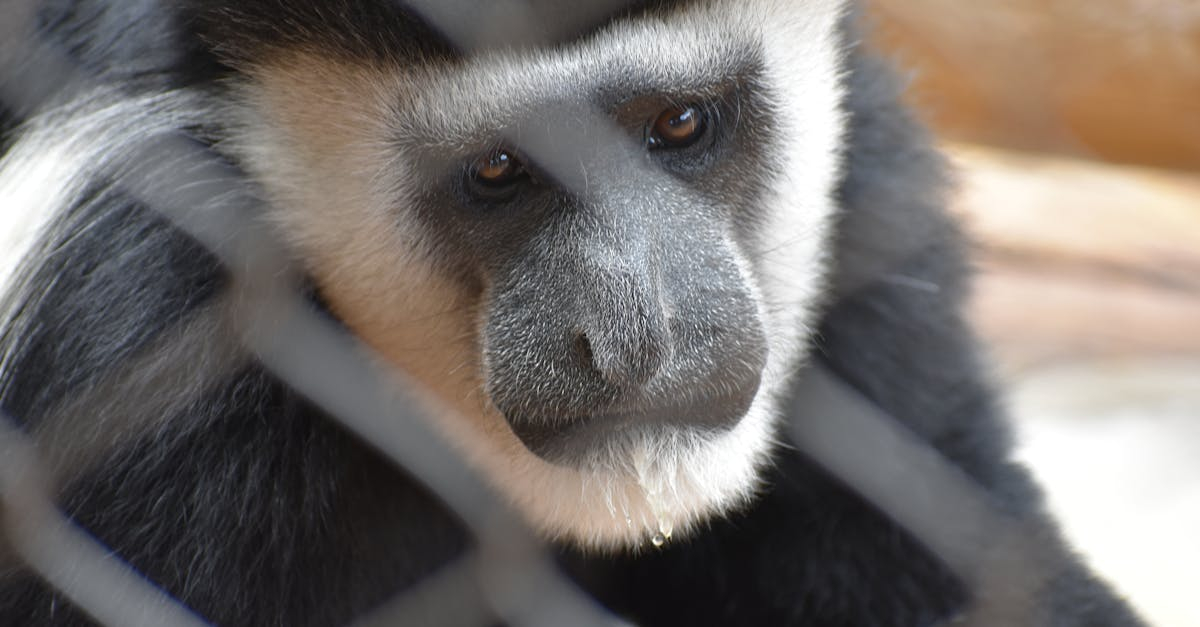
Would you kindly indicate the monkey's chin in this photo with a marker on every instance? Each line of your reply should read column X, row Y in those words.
column 657, row 486
column 640, row 491
column 662, row 482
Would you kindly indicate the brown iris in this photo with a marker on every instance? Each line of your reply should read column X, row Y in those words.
column 677, row 127
column 501, row 167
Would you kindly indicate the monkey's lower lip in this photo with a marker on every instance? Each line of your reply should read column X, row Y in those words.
column 570, row 441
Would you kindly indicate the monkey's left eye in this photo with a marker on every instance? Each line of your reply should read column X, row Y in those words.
column 497, row 169
column 677, row 127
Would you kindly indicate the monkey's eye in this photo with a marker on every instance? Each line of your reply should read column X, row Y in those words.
column 677, row 127
column 497, row 169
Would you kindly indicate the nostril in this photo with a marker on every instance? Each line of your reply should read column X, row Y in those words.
column 631, row 362
column 583, row 350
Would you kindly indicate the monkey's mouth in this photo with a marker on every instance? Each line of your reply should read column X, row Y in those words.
column 596, row 438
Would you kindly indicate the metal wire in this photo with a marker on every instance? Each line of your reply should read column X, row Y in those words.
column 509, row 572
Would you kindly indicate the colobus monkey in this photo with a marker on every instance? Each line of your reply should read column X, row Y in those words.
column 611, row 243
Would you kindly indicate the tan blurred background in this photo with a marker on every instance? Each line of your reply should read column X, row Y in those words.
column 1075, row 128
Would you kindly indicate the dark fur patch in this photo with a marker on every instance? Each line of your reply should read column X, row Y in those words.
column 118, row 271
column 8, row 127
column 243, row 32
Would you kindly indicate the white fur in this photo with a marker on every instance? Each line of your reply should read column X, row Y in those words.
column 313, row 136
column 56, row 155
column 61, row 150
column 803, row 59
column 26, row 202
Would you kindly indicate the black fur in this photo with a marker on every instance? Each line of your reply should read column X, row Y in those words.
column 8, row 124
column 250, row 506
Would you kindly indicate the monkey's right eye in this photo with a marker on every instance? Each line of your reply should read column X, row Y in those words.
column 500, row 168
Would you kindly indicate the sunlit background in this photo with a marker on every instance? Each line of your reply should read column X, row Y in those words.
column 1074, row 126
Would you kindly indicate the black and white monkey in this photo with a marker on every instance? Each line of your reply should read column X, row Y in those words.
column 607, row 250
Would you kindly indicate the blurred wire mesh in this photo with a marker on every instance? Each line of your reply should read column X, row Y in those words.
column 509, row 576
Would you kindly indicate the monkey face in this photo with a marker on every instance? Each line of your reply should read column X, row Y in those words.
column 601, row 257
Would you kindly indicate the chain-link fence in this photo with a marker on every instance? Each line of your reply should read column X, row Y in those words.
column 508, row 575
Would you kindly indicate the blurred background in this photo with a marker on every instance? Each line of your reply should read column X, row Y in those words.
column 1074, row 127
